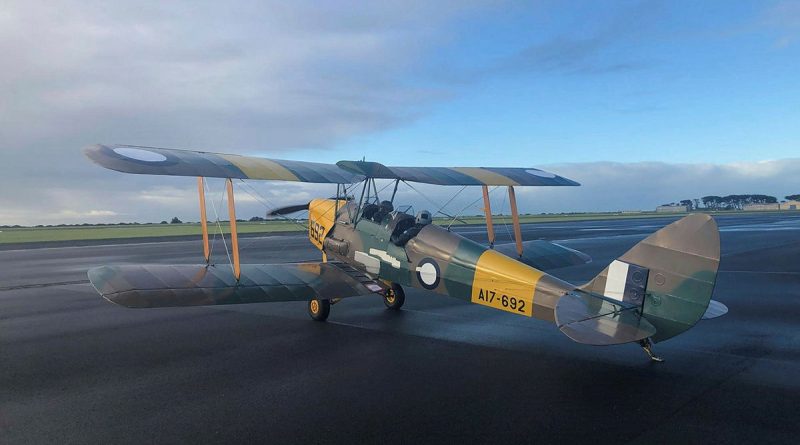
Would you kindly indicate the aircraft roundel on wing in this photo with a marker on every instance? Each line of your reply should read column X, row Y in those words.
column 658, row 289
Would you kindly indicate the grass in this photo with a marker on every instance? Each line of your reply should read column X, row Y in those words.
column 45, row 234
column 79, row 233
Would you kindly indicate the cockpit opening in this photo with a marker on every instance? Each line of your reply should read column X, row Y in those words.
column 408, row 227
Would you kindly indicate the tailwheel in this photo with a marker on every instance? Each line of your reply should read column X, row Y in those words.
column 319, row 309
column 394, row 297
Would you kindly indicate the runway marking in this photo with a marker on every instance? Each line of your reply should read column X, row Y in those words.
column 32, row 286
column 770, row 272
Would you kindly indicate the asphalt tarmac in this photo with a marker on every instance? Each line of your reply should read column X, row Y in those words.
column 77, row 369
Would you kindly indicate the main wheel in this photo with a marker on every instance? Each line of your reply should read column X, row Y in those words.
column 394, row 297
column 319, row 309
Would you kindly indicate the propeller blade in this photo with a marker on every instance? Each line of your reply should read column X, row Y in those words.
column 288, row 209
column 297, row 208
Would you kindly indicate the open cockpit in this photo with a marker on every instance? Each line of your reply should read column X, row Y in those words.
column 400, row 225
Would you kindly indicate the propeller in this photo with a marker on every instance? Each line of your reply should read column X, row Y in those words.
column 295, row 208
column 288, row 209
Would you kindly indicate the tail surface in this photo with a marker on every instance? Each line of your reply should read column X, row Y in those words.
column 670, row 275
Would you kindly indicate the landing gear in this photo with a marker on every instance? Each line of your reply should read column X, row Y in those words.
column 394, row 297
column 319, row 309
column 647, row 345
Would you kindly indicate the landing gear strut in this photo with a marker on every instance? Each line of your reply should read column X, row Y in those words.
column 319, row 309
column 394, row 297
column 647, row 345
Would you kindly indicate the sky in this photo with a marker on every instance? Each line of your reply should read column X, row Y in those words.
column 643, row 102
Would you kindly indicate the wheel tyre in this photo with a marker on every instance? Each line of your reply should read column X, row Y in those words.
column 319, row 309
column 394, row 297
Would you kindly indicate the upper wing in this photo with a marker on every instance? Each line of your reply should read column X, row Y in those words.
column 458, row 175
column 158, row 285
column 166, row 161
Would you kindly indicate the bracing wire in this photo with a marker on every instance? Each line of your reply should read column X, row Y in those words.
column 221, row 233
column 466, row 207
column 451, row 200
column 250, row 190
column 504, row 219
column 429, row 200
column 265, row 202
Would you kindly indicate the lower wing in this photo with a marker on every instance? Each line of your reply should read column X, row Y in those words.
column 158, row 285
column 544, row 255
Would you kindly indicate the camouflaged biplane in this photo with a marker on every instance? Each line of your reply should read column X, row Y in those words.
column 657, row 290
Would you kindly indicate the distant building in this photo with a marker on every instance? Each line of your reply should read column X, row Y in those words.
column 761, row 207
column 672, row 209
column 790, row 205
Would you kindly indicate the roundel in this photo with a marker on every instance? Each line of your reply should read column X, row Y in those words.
column 139, row 154
column 540, row 173
column 428, row 273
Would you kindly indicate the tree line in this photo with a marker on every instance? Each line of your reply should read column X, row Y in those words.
column 731, row 202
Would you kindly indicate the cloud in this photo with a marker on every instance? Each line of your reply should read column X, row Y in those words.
column 73, row 215
column 243, row 76
column 615, row 186
column 272, row 78
column 598, row 46
column 606, row 186
column 204, row 74
column 609, row 186
column 784, row 18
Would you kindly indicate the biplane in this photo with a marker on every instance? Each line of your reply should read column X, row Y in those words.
column 658, row 289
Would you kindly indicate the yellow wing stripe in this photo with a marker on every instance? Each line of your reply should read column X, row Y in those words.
column 503, row 283
column 258, row 168
column 485, row 176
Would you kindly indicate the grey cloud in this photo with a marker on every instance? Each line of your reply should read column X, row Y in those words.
column 615, row 186
column 606, row 186
column 241, row 76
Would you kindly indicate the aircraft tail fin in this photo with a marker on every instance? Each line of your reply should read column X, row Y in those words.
column 668, row 277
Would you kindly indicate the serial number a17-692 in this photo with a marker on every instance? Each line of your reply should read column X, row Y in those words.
column 499, row 300
column 316, row 232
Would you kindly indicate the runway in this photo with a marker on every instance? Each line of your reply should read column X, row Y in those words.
column 77, row 369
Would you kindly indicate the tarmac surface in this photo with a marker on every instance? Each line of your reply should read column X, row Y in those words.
column 77, row 369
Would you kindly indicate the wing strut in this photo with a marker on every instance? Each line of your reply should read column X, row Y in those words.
column 237, row 271
column 201, row 189
column 487, row 210
column 512, row 197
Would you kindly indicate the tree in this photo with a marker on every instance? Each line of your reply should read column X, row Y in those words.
column 712, row 202
column 793, row 197
column 688, row 203
column 175, row 220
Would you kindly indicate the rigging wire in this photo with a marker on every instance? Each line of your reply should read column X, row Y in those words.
column 253, row 192
column 504, row 219
column 467, row 206
column 221, row 233
column 265, row 202
column 451, row 200
column 429, row 200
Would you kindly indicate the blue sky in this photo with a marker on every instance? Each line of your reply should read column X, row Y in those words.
column 626, row 81
column 643, row 102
